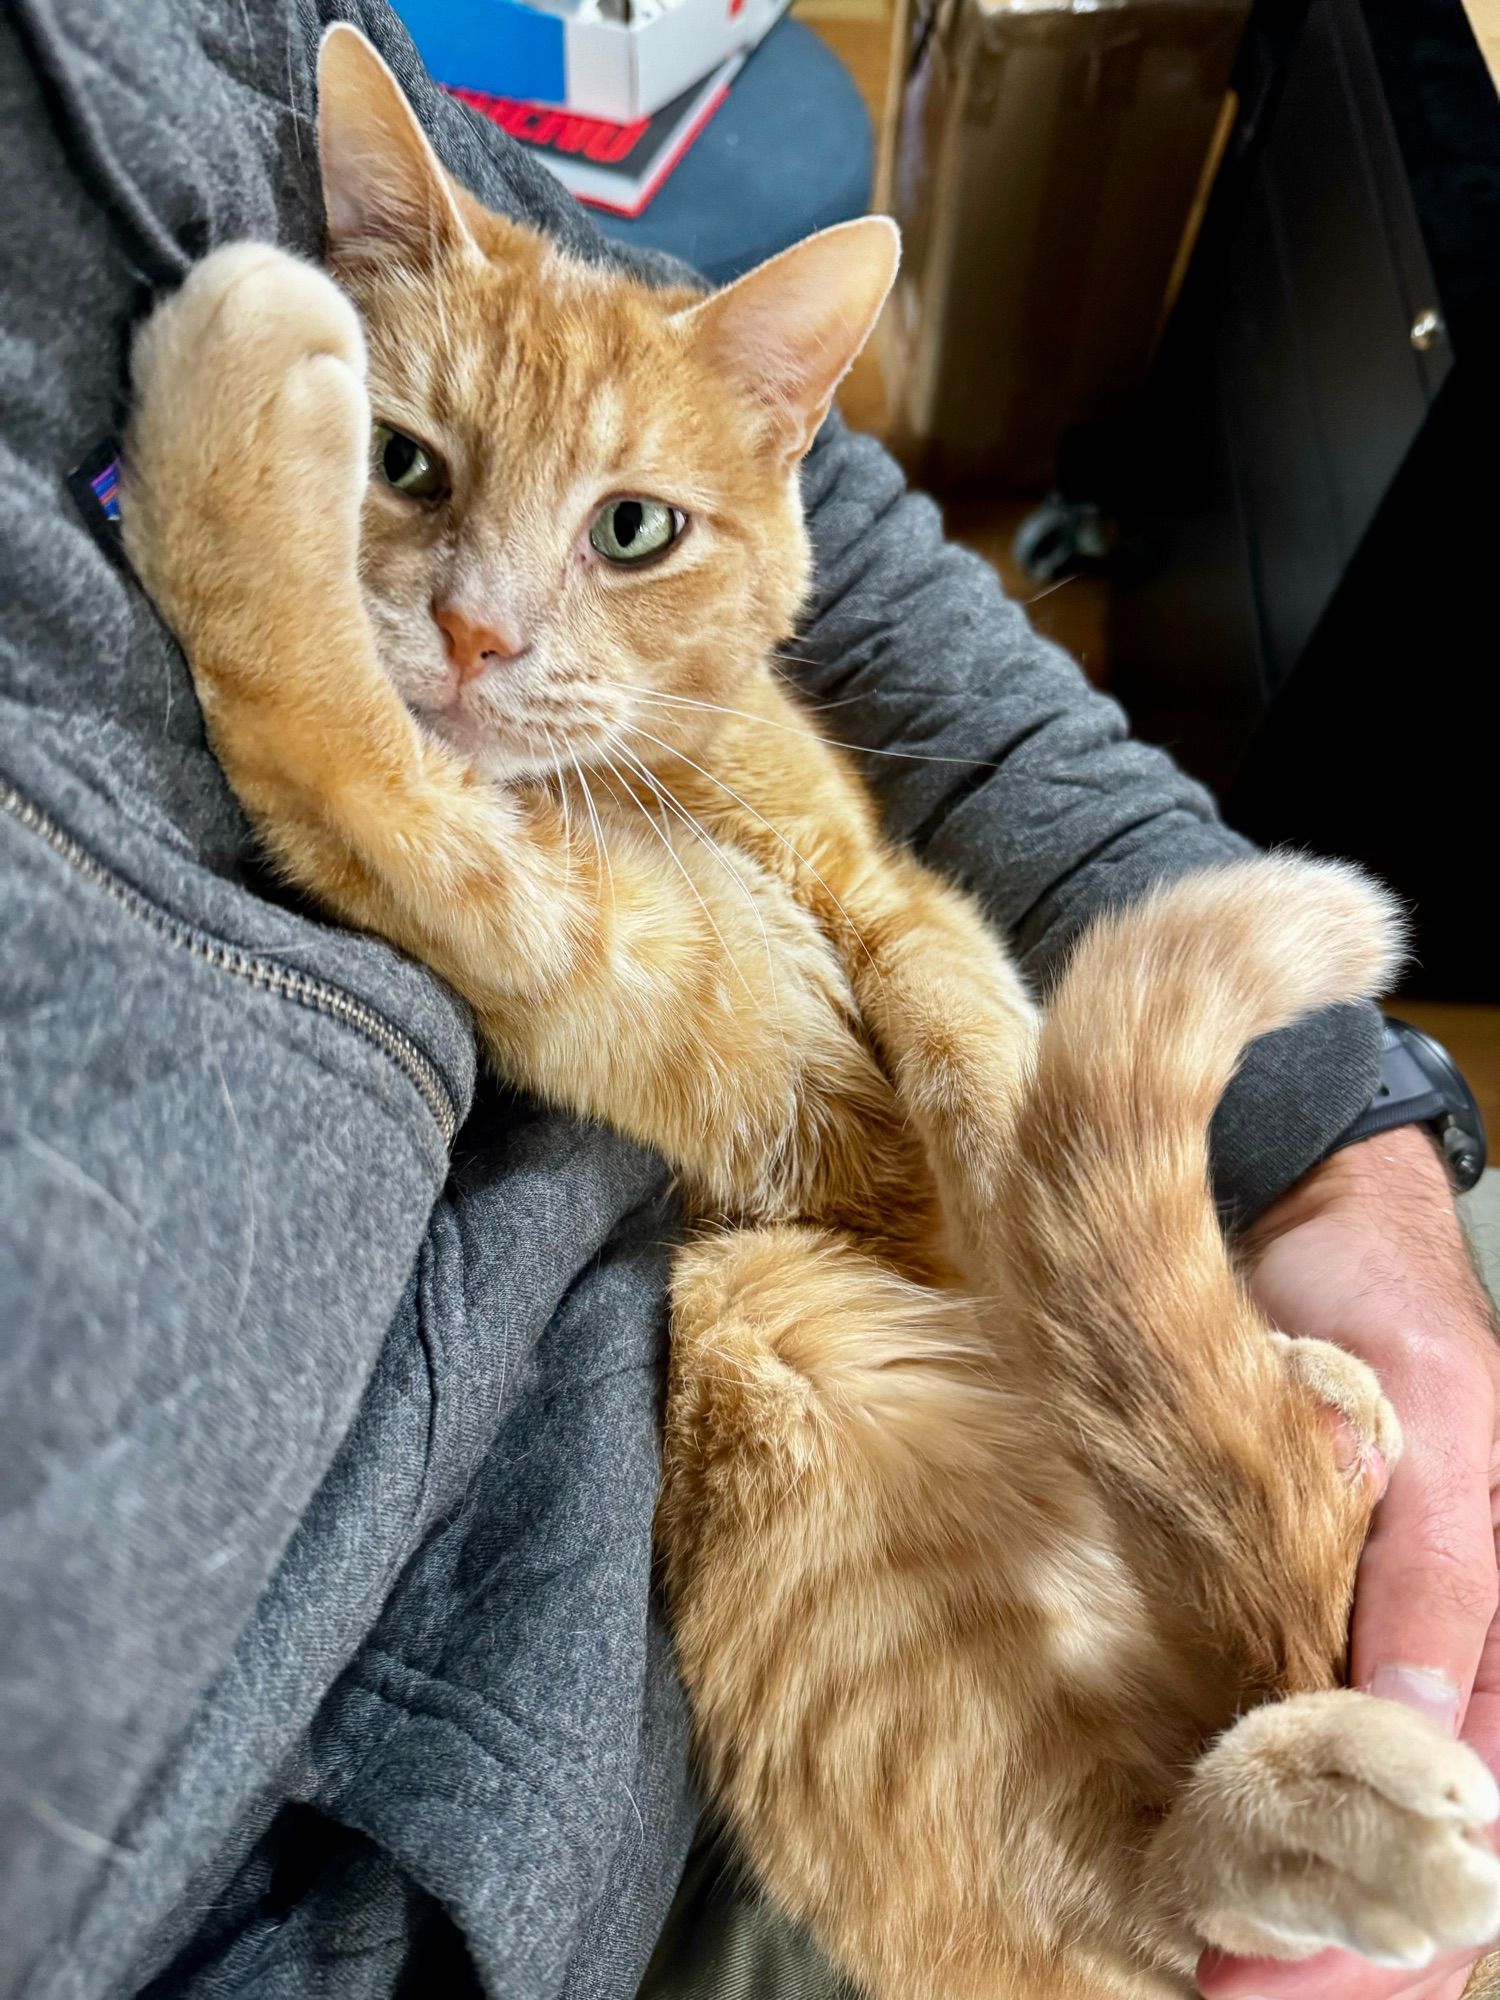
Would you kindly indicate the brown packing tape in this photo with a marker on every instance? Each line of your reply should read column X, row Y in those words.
column 1045, row 163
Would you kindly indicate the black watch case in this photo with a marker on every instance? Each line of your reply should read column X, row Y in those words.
column 1420, row 1084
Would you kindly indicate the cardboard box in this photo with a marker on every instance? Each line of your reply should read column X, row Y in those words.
column 1043, row 161
column 615, row 59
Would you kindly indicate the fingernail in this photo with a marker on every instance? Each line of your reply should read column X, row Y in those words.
column 1420, row 1688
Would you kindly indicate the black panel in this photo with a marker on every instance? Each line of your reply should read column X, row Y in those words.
column 1302, row 610
column 1384, row 745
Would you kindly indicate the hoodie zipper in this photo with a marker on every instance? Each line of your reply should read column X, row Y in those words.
column 264, row 973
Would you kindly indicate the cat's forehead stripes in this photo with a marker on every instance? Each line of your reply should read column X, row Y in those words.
column 531, row 373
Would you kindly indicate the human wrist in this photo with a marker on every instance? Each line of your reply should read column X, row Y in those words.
column 1404, row 1167
column 1384, row 1211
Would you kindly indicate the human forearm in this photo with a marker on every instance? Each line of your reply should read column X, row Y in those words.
column 1367, row 1251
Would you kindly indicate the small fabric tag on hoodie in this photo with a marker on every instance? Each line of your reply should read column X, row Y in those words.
column 95, row 486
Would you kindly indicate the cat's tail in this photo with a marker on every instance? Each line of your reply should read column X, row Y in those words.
column 1161, row 1368
column 1150, row 1019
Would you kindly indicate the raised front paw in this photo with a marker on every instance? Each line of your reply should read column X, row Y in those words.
column 249, row 432
column 1339, row 1820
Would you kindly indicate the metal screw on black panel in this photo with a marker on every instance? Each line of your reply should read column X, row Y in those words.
column 1425, row 329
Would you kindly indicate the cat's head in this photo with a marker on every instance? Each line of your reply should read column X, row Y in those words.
column 583, row 517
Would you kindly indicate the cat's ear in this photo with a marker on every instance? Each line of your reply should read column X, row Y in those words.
column 787, row 332
column 384, row 187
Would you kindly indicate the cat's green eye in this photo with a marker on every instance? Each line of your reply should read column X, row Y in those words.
column 634, row 530
column 412, row 468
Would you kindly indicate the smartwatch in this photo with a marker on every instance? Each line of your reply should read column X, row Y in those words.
column 1420, row 1084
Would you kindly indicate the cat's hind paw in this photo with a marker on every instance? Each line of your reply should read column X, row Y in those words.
column 1339, row 1820
column 1366, row 1435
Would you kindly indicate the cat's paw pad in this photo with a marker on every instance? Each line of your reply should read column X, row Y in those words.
column 1339, row 1820
column 1366, row 1435
column 250, row 418
column 253, row 309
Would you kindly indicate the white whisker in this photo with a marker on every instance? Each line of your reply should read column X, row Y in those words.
column 593, row 810
column 562, row 795
column 677, row 861
column 694, row 826
column 1062, row 581
column 804, row 697
column 768, row 722
column 291, row 96
column 800, row 858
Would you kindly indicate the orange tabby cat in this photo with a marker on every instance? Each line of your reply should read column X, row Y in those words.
column 989, row 1501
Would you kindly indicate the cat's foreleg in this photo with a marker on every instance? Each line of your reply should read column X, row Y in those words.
column 935, row 986
column 247, row 460
column 590, row 966
column 957, row 1030
column 247, row 463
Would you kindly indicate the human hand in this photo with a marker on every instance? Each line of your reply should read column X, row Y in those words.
column 1367, row 1251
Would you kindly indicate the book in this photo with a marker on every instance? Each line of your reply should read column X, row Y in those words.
column 609, row 166
column 616, row 59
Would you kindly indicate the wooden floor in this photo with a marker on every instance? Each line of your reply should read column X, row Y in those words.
column 1076, row 612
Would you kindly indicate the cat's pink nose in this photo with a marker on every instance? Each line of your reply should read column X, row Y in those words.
column 472, row 647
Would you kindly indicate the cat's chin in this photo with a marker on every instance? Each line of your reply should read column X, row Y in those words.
column 500, row 759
